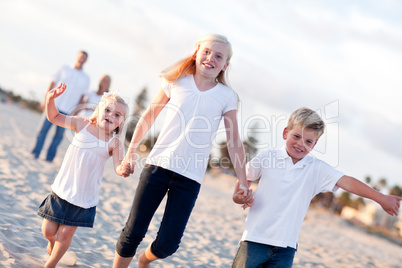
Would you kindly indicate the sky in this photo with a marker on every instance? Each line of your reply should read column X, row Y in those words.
column 342, row 59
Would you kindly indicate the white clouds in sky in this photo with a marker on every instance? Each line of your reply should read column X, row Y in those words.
column 287, row 54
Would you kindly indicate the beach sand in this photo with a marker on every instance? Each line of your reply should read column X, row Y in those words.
column 212, row 234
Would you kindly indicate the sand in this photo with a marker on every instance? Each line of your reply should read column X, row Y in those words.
column 212, row 234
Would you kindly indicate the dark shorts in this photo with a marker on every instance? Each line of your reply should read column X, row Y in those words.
column 55, row 209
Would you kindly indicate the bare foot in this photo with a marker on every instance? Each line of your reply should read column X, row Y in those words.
column 50, row 248
column 143, row 262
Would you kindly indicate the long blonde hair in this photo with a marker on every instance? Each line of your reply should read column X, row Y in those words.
column 113, row 96
column 187, row 65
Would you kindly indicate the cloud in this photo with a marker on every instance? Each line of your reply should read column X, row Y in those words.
column 384, row 134
column 286, row 55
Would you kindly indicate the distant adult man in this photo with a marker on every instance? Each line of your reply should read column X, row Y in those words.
column 77, row 82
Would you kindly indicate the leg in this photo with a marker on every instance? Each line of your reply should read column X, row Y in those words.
column 40, row 139
column 181, row 199
column 150, row 192
column 58, row 137
column 120, row 261
column 64, row 237
column 49, row 230
column 281, row 257
column 146, row 257
column 251, row 255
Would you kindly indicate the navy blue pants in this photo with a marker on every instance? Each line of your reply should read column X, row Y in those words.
column 40, row 139
column 155, row 183
column 256, row 255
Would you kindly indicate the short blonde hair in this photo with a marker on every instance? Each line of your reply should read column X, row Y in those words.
column 306, row 118
column 113, row 96
column 187, row 65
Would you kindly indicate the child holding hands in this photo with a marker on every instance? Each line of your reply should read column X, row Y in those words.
column 72, row 202
column 196, row 94
column 284, row 193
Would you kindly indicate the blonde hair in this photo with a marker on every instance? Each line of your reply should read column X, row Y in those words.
column 306, row 118
column 187, row 65
column 113, row 96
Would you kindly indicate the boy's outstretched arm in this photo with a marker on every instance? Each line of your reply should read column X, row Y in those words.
column 389, row 203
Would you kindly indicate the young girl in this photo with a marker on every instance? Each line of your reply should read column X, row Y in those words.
column 196, row 96
column 74, row 195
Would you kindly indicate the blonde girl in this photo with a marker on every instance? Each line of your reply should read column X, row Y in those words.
column 196, row 96
column 72, row 202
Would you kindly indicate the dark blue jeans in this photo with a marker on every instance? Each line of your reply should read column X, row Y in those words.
column 40, row 140
column 255, row 255
column 154, row 184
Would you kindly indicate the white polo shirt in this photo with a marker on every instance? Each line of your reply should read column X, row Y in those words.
column 283, row 195
column 190, row 127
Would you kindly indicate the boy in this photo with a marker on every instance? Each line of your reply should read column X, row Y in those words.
column 290, row 178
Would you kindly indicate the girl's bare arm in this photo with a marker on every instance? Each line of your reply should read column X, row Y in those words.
column 144, row 124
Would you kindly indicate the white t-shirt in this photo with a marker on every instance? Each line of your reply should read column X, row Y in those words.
column 92, row 100
column 190, row 127
column 77, row 82
column 81, row 172
column 283, row 195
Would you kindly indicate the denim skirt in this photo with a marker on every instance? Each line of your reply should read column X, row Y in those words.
column 55, row 209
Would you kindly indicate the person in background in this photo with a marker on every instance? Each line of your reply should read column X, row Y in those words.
column 289, row 179
column 78, row 82
column 88, row 102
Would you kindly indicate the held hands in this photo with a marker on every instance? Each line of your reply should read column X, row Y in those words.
column 127, row 166
column 130, row 159
column 124, row 169
column 390, row 204
column 57, row 91
column 244, row 197
column 244, row 188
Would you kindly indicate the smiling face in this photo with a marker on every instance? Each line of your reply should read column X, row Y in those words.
column 299, row 142
column 111, row 115
column 211, row 58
